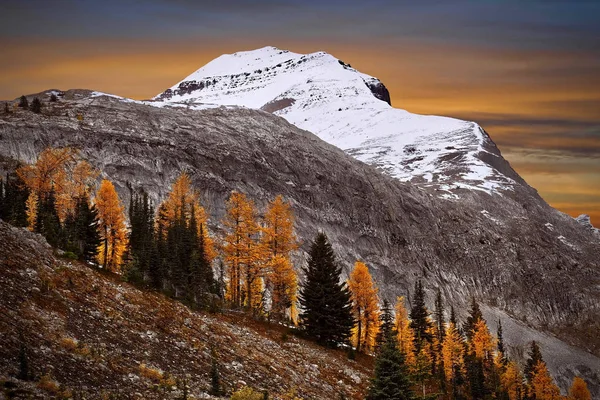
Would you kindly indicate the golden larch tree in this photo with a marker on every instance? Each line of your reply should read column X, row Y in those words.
column 278, row 231
column 512, row 381
column 284, row 282
column 483, row 343
column 542, row 384
column 242, row 252
column 579, row 390
column 183, row 197
column 366, row 306
column 406, row 341
column 113, row 232
column 31, row 210
column 453, row 354
column 278, row 241
column 63, row 171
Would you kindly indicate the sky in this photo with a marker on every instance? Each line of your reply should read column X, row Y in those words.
column 528, row 71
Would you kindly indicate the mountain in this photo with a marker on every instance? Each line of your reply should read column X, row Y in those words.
column 101, row 338
column 351, row 110
column 528, row 264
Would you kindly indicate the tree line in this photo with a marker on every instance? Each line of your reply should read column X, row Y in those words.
column 419, row 354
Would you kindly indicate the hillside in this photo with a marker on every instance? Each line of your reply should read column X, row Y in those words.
column 90, row 333
column 527, row 263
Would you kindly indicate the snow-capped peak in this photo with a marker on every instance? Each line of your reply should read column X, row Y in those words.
column 351, row 110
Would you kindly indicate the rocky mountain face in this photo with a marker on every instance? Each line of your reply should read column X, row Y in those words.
column 530, row 265
column 95, row 337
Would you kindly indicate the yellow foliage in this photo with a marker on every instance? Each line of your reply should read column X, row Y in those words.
column 512, row 381
column 579, row 390
column 62, row 170
column 32, row 205
column 365, row 306
column 284, row 283
column 542, row 384
column 405, row 334
column 483, row 343
column 113, row 232
column 278, row 233
column 242, row 252
column 452, row 353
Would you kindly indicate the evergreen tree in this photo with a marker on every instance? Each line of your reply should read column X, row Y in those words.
column 391, row 380
column 535, row 356
column 24, row 372
column 326, row 302
column 23, row 103
column 475, row 316
column 215, row 379
column 453, row 316
column 47, row 222
column 386, row 325
column 141, row 243
column 420, row 322
column 2, row 200
column 53, row 98
column 36, row 106
column 14, row 209
column 501, row 348
column 439, row 317
column 6, row 109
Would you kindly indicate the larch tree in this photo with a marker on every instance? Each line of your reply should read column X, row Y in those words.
column 278, row 241
column 512, row 381
column 365, row 306
column 242, row 252
column 405, row 334
column 542, row 384
column 283, row 281
column 326, row 301
column 452, row 354
column 482, row 343
column 579, row 390
column 113, row 232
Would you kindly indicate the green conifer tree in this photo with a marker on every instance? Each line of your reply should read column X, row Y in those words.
column 36, row 106
column 391, row 380
column 534, row 356
column 23, row 102
column 419, row 318
column 326, row 302
column 386, row 326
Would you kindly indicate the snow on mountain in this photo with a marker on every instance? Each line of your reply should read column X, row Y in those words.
column 351, row 110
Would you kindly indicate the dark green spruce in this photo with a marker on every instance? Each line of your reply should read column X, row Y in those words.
column 325, row 299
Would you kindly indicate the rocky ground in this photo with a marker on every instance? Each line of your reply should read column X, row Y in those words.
column 89, row 335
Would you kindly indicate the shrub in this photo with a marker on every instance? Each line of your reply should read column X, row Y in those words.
column 69, row 343
column 48, row 384
column 247, row 393
column 154, row 374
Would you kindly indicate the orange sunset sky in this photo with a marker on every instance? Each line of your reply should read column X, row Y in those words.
column 528, row 73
